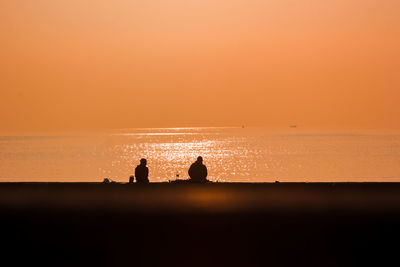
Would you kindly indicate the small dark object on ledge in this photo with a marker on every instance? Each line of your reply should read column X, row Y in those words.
column 108, row 181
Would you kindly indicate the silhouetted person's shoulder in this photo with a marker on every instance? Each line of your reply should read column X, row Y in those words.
column 198, row 171
column 142, row 174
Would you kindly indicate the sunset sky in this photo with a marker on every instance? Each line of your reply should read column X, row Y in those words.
column 98, row 64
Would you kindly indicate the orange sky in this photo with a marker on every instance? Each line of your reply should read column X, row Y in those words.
column 92, row 64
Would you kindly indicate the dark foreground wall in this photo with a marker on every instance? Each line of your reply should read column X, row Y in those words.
column 200, row 225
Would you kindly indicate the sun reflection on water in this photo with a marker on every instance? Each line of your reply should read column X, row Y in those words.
column 230, row 154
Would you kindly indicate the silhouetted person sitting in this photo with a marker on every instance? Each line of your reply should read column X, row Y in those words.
column 142, row 172
column 198, row 171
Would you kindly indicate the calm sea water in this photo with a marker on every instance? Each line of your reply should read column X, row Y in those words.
column 231, row 154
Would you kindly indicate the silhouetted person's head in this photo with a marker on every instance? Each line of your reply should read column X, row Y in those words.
column 143, row 162
column 199, row 159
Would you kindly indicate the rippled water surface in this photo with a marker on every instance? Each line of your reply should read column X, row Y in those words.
column 231, row 154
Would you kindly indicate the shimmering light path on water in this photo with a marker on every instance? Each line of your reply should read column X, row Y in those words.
column 231, row 154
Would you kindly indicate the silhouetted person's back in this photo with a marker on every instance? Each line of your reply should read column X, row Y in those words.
column 142, row 172
column 198, row 171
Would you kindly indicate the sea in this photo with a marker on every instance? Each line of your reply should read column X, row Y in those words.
column 231, row 154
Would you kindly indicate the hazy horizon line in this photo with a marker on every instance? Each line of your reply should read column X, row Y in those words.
column 129, row 130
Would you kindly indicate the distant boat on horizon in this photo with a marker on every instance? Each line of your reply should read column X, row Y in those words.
column 293, row 126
